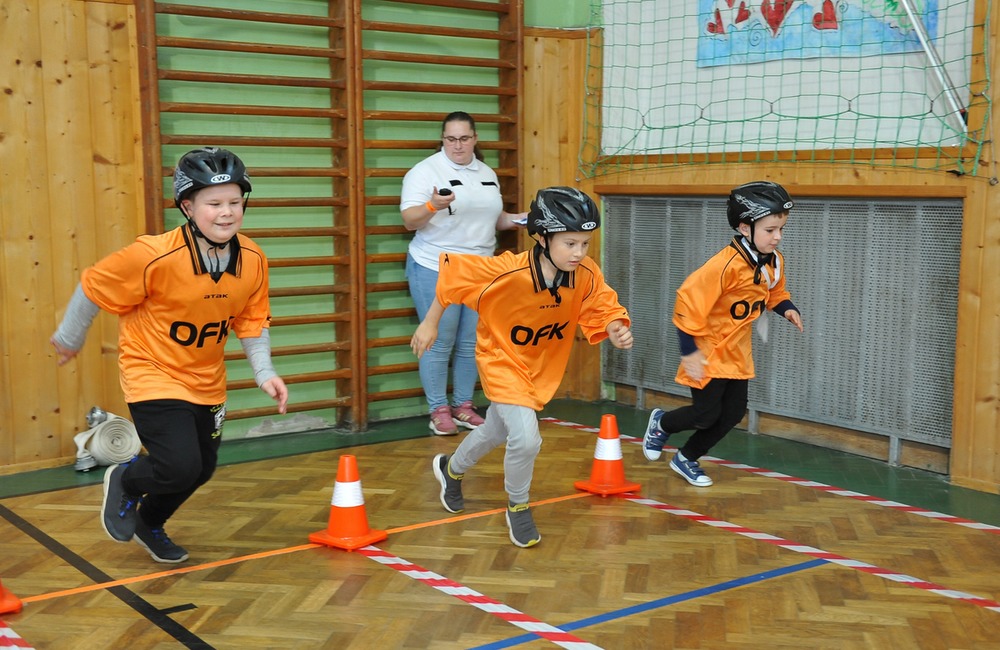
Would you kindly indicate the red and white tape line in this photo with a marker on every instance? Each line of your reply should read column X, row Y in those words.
column 10, row 639
column 574, row 425
column 478, row 600
column 878, row 501
column 818, row 553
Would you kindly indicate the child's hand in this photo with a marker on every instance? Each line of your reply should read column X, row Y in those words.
column 275, row 387
column 694, row 365
column 423, row 338
column 63, row 354
column 795, row 318
column 620, row 335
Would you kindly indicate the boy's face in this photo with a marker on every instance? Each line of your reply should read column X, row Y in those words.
column 567, row 249
column 217, row 211
column 766, row 232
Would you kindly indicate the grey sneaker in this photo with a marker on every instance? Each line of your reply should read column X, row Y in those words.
column 451, row 484
column 522, row 525
column 118, row 510
column 159, row 546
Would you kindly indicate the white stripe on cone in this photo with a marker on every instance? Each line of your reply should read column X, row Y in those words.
column 347, row 495
column 608, row 449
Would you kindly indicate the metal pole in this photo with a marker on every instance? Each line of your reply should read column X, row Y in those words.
column 895, row 451
column 936, row 65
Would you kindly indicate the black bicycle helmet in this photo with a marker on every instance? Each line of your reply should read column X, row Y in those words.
column 205, row 167
column 756, row 200
column 562, row 209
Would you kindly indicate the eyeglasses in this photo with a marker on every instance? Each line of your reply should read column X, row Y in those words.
column 465, row 139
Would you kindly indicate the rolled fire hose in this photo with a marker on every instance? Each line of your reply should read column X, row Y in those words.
column 110, row 442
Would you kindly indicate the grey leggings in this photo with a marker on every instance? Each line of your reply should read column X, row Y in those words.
column 518, row 427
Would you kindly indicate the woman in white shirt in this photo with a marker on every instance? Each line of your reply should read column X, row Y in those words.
column 453, row 203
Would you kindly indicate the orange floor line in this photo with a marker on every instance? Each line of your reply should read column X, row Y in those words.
column 164, row 574
column 266, row 554
column 474, row 515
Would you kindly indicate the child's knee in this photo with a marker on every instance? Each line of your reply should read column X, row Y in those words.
column 705, row 421
column 186, row 477
column 525, row 445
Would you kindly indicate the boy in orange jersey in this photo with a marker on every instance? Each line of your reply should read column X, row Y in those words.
column 713, row 313
column 529, row 307
column 177, row 296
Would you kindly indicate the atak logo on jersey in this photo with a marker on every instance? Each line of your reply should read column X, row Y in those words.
column 221, row 178
column 523, row 335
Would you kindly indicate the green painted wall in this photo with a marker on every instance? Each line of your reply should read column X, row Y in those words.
column 557, row 13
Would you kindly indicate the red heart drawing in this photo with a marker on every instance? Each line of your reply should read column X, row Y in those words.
column 774, row 14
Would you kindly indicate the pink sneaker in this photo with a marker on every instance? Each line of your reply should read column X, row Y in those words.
column 464, row 415
column 441, row 423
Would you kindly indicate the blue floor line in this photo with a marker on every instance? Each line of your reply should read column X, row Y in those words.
column 660, row 602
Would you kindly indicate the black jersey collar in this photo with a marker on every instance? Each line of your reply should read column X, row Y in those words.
column 198, row 262
column 757, row 261
column 753, row 258
column 563, row 279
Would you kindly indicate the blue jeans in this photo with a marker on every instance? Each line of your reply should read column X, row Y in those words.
column 456, row 334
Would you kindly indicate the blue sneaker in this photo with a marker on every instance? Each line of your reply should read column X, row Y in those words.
column 690, row 470
column 654, row 439
column 158, row 544
column 119, row 510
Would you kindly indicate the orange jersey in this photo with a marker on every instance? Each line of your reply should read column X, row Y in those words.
column 525, row 334
column 173, row 319
column 717, row 305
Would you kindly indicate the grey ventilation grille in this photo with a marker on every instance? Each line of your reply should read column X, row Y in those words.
column 876, row 282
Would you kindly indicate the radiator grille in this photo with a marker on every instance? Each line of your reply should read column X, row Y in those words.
column 877, row 285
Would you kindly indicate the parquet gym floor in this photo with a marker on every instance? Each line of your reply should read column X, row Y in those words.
column 762, row 559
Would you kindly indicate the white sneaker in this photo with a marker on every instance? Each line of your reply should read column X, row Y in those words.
column 690, row 470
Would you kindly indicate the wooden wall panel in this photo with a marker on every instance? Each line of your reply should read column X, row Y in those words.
column 975, row 459
column 64, row 147
column 554, row 91
column 67, row 169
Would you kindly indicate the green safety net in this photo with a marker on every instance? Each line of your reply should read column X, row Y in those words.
column 897, row 83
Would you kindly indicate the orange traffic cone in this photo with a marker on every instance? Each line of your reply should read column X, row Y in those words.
column 348, row 527
column 608, row 474
column 9, row 603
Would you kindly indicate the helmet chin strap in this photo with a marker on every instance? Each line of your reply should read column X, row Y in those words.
column 762, row 258
column 750, row 240
column 213, row 263
column 545, row 250
column 558, row 279
column 198, row 233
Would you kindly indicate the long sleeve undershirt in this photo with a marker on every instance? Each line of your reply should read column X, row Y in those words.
column 81, row 310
